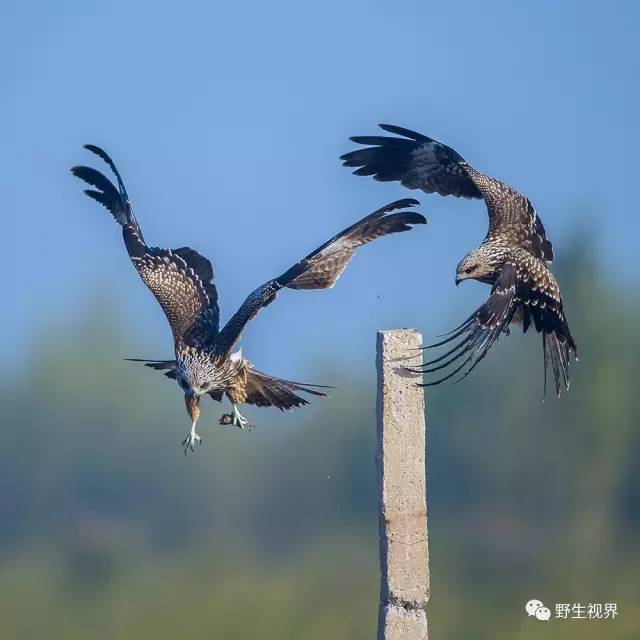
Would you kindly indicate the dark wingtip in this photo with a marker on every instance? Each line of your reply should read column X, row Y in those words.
column 403, row 203
column 404, row 132
column 317, row 386
column 364, row 170
column 407, row 218
column 94, row 148
column 395, row 129
column 412, row 370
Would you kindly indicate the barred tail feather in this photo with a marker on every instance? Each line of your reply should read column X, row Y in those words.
column 264, row 390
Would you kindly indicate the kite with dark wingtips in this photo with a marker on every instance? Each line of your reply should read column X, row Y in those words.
column 182, row 282
column 512, row 258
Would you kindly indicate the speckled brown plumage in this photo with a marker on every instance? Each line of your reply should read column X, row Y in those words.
column 512, row 258
column 182, row 282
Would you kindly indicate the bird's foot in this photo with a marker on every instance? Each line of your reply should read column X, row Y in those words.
column 190, row 441
column 236, row 419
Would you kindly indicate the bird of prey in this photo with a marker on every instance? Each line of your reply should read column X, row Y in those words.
column 182, row 282
column 512, row 258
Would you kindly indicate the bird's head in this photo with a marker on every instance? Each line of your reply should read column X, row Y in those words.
column 197, row 380
column 479, row 264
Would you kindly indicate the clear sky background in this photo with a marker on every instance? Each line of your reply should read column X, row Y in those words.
column 227, row 120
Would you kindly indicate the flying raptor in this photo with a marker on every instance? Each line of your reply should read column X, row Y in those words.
column 512, row 258
column 182, row 282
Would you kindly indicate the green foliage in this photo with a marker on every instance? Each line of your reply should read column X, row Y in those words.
column 108, row 531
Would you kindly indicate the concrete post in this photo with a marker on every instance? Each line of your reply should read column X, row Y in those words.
column 400, row 458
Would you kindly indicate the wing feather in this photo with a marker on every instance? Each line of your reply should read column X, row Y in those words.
column 525, row 287
column 323, row 266
column 181, row 280
column 420, row 162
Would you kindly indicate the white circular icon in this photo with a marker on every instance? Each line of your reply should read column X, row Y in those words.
column 532, row 606
column 543, row 613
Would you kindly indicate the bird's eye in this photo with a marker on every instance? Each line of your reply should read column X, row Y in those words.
column 469, row 270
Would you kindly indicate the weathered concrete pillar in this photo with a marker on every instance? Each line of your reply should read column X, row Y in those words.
column 400, row 457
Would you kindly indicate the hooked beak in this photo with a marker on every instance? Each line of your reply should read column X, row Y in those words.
column 458, row 280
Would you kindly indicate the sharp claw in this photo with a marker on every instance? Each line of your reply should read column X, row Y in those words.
column 189, row 442
column 236, row 419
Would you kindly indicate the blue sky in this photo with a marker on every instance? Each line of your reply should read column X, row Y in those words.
column 226, row 121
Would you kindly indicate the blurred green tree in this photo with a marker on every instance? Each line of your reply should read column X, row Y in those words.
column 107, row 531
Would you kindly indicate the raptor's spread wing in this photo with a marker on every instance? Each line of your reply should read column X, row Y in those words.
column 180, row 279
column 321, row 268
column 479, row 332
column 420, row 162
column 527, row 287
